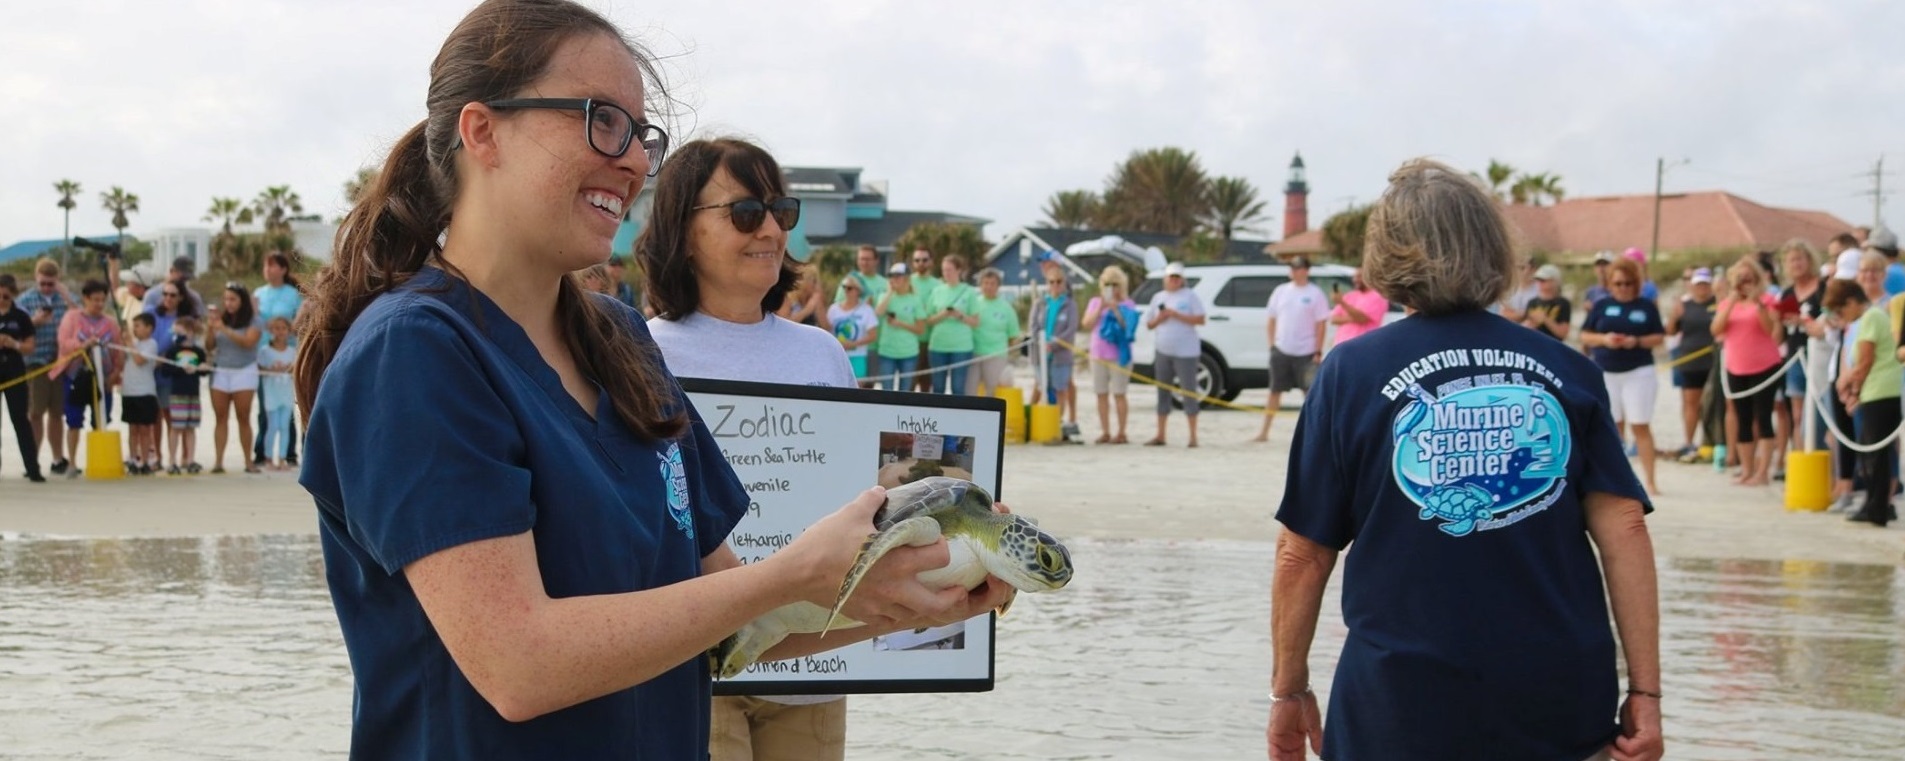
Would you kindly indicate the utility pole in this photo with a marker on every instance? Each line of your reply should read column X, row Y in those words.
column 1878, row 191
column 1660, row 175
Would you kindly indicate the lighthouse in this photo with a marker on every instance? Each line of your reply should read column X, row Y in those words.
column 1296, row 201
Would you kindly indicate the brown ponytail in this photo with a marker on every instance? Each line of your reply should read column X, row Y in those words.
column 499, row 49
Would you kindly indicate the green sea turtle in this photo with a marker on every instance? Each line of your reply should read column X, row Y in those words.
column 981, row 541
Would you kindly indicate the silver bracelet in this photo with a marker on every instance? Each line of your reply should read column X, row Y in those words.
column 1275, row 698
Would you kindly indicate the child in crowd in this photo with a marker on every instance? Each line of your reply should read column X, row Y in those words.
column 187, row 362
column 275, row 361
column 595, row 279
column 139, row 392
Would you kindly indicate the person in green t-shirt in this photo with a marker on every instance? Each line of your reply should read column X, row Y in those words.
column 951, row 314
column 866, row 262
column 1869, row 386
column 897, row 347
column 924, row 284
column 992, row 339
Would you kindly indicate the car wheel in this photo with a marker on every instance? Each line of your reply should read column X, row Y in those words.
column 1210, row 378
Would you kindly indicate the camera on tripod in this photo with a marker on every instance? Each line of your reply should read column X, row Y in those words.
column 107, row 251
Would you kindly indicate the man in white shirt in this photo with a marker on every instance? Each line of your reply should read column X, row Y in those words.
column 1299, row 313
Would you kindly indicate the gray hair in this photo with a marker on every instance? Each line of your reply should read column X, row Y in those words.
column 992, row 272
column 1437, row 241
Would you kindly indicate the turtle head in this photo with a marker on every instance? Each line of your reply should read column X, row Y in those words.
column 1031, row 560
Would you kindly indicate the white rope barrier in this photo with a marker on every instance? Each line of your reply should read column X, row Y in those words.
column 128, row 351
column 1778, row 375
column 1832, row 426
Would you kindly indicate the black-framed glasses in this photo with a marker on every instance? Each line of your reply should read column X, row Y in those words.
column 747, row 214
column 610, row 128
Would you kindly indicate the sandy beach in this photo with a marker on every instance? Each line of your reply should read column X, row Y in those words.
column 1228, row 489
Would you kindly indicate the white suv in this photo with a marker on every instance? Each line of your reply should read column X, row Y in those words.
column 1236, row 350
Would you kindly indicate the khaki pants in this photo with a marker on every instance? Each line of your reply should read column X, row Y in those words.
column 753, row 729
column 44, row 397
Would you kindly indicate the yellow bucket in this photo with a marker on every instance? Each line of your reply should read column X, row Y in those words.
column 1014, row 414
column 102, row 456
column 1045, row 423
column 1808, row 481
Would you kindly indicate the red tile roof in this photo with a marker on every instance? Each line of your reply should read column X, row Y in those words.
column 1708, row 219
column 1307, row 242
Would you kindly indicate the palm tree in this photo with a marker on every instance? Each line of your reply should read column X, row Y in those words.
column 1162, row 190
column 120, row 203
column 1498, row 175
column 1532, row 188
column 67, row 189
column 355, row 187
column 1073, row 209
column 1233, row 206
column 275, row 206
column 226, row 212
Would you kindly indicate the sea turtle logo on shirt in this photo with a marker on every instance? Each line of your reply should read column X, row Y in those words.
column 847, row 329
column 1471, row 457
column 676, row 477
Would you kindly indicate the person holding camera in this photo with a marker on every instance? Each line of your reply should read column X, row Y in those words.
column 897, row 347
column 234, row 339
column 47, row 304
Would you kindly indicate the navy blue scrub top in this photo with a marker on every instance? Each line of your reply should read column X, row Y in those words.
column 438, row 424
column 1454, row 452
column 1638, row 318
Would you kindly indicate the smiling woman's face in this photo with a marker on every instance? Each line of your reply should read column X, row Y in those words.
column 726, row 260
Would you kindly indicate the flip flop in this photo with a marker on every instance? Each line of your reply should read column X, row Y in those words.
column 1154, row 443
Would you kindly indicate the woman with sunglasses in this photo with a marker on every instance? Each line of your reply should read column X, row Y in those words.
column 171, row 304
column 1747, row 323
column 1621, row 332
column 524, row 522
column 716, row 252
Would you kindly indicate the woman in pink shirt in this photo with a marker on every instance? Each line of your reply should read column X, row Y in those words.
column 1358, row 311
column 1748, row 327
column 83, row 328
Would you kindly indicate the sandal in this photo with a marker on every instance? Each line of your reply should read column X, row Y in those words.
column 1154, row 443
column 194, row 468
column 252, row 469
column 218, row 470
column 1120, row 439
column 1103, row 438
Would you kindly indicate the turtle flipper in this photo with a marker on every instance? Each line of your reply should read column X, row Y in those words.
column 740, row 650
column 915, row 531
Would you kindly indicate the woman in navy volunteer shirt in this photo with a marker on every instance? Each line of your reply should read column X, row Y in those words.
column 523, row 520
column 1472, row 463
column 1622, row 331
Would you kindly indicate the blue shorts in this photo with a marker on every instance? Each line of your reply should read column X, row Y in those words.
column 1796, row 380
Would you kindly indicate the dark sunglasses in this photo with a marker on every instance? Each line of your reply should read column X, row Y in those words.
column 747, row 214
column 609, row 127
column 1620, row 283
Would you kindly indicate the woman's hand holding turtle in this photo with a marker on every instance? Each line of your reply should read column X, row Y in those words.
column 890, row 593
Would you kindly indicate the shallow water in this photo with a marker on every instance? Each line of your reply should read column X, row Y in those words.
column 226, row 648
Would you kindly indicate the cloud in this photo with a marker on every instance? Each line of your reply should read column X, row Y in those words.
column 987, row 108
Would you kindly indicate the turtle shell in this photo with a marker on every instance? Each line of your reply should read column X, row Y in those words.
column 932, row 496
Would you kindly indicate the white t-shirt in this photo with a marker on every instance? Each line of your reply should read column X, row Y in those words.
column 1297, row 309
column 138, row 379
column 770, row 351
column 1176, row 338
column 853, row 325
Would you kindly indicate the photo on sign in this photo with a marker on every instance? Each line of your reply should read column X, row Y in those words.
column 909, row 457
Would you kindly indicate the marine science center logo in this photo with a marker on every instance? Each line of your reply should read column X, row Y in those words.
column 1479, row 453
column 675, row 476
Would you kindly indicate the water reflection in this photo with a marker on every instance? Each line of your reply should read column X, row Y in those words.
column 226, row 647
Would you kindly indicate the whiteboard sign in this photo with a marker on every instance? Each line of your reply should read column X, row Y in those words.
column 802, row 452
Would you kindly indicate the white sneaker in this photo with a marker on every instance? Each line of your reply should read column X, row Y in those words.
column 1847, row 503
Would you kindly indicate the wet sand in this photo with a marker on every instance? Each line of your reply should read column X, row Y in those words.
column 1226, row 489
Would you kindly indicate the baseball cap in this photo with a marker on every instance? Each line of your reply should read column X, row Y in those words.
column 1884, row 238
column 185, row 264
column 1548, row 272
column 130, row 276
column 1174, row 268
column 1635, row 254
column 1604, row 257
column 897, row 270
column 1702, row 275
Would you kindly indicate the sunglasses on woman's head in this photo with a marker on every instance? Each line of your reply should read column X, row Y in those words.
column 747, row 214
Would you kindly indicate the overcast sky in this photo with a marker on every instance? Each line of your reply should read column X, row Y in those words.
column 985, row 108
